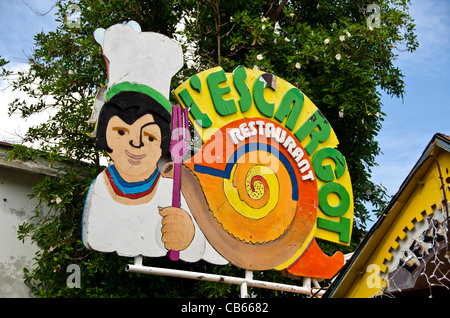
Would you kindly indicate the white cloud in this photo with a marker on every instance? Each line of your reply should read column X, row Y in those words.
column 21, row 20
column 13, row 128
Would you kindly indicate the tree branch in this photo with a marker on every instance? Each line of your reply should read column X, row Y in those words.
column 273, row 12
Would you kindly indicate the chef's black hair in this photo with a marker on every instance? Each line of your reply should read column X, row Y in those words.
column 130, row 106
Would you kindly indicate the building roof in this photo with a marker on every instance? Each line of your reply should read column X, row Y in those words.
column 355, row 266
column 39, row 166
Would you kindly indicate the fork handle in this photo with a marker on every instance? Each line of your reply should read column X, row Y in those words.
column 175, row 255
column 176, row 185
column 179, row 120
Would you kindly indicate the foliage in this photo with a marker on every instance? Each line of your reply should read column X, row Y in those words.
column 328, row 50
column 324, row 47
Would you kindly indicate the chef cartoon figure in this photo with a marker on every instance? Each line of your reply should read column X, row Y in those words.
column 128, row 208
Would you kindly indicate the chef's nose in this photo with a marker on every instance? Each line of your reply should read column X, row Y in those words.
column 136, row 140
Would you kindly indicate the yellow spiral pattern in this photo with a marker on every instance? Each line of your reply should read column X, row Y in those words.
column 256, row 185
column 253, row 193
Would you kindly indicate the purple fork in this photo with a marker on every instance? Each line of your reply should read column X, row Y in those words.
column 179, row 147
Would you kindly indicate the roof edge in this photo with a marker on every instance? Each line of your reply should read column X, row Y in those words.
column 438, row 140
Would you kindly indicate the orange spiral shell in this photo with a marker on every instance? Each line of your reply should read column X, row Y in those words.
column 260, row 214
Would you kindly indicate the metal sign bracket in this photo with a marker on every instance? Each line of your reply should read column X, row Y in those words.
column 245, row 282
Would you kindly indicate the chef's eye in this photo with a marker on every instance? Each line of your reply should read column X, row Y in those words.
column 149, row 136
column 121, row 130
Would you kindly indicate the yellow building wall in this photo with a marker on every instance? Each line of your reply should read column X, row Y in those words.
column 427, row 192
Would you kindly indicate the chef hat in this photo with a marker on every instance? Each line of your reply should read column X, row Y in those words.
column 137, row 61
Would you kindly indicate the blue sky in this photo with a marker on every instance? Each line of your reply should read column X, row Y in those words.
column 21, row 20
column 408, row 127
column 20, row 23
column 410, row 124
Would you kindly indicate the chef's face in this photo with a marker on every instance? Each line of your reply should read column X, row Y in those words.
column 136, row 148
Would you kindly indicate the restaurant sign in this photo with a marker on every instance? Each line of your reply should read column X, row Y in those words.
column 266, row 182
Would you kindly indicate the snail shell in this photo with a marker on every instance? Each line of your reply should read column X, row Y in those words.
column 249, row 199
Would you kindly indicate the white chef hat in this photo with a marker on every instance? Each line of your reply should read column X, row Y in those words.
column 137, row 61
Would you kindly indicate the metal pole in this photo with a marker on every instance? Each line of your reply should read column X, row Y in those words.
column 139, row 268
column 244, row 290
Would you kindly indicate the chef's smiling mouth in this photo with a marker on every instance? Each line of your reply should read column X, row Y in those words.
column 135, row 157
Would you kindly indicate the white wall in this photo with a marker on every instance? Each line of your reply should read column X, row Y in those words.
column 15, row 208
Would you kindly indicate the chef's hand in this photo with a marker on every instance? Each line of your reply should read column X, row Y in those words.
column 177, row 230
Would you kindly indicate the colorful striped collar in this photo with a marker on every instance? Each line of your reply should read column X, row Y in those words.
column 131, row 190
